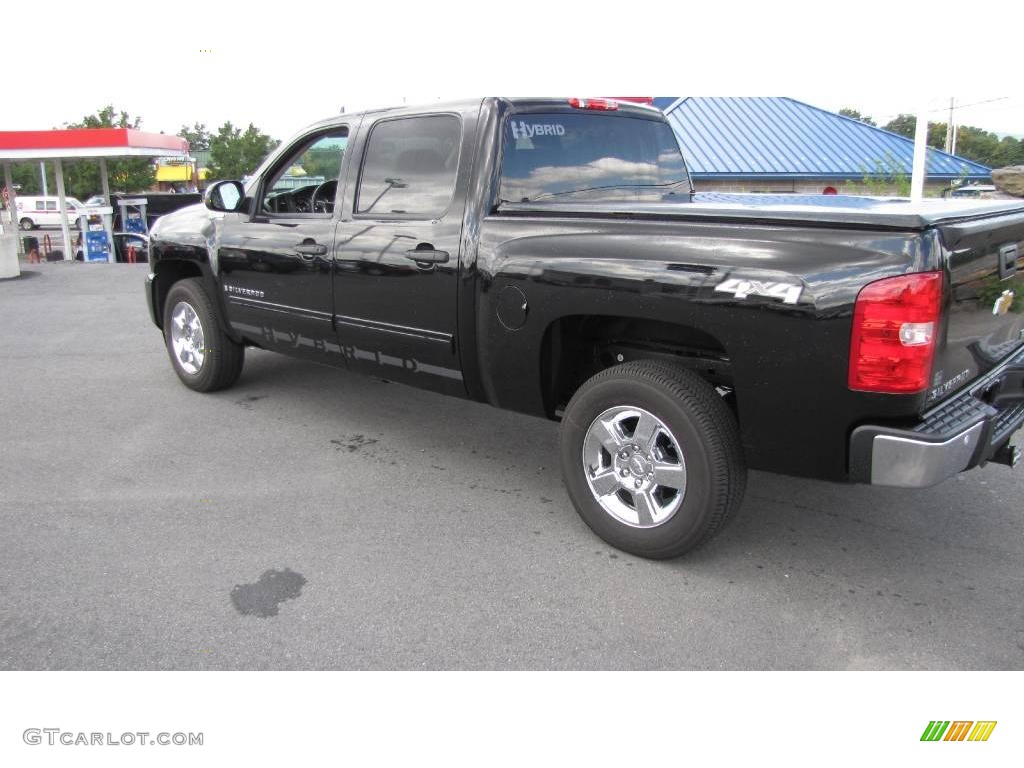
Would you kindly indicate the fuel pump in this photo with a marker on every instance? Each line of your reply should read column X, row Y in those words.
column 96, row 238
column 133, row 222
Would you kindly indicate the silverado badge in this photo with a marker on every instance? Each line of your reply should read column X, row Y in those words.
column 1002, row 305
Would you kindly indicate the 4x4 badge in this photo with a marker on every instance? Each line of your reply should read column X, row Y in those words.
column 789, row 293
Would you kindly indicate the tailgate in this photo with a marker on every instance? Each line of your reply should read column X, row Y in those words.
column 985, row 322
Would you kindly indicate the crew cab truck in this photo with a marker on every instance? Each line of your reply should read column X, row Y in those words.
column 549, row 256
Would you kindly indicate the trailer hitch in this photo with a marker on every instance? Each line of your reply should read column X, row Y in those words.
column 1008, row 388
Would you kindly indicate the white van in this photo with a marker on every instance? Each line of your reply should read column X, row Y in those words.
column 43, row 211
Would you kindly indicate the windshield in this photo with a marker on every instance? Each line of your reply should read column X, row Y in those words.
column 599, row 157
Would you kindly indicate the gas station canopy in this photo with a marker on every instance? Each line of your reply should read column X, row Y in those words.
column 81, row 143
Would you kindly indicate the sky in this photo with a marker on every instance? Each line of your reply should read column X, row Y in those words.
column 283, row 66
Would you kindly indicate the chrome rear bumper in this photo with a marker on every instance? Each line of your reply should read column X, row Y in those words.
column 962, row 433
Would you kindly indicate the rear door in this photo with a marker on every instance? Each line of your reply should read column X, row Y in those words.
column 397, row 250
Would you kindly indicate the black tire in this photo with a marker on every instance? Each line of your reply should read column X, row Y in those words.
column 222, row 358
column 706, row 433
column 26, row 224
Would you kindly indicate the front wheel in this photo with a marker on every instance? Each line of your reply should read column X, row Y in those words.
column 651, row 458
column 27, row 224
column 203, row 356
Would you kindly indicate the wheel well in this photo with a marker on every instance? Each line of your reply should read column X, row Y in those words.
column 167, row 274
column 578, row 346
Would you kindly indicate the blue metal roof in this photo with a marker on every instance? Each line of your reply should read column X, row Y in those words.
column 782, row 138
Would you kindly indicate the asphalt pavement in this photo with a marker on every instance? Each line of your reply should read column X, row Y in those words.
column 309, row 518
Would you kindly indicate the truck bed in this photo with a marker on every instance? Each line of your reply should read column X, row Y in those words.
column 803, row 210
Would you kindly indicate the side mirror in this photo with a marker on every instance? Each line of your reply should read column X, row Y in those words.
column 224, row 196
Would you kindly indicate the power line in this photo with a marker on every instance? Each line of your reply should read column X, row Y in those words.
column 973, row 104
column 889, row 117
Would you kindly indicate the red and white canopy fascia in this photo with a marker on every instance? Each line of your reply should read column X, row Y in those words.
column 82, row 143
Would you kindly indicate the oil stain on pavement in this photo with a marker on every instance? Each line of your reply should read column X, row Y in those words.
column 353, row 443
column 273, row 588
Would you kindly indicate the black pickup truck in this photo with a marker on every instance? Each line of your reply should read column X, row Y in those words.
column 551, row 257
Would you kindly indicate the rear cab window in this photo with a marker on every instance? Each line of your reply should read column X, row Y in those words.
column 588, row 156
column 409, row 167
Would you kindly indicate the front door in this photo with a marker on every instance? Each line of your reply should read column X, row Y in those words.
column 397, row 254
column 275, row 263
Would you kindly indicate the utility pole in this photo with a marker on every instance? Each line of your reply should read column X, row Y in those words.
column 920, row 154
column 949, row 128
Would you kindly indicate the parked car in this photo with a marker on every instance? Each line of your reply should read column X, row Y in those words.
column 549, row 256
column 974, row 190
column 39, row 211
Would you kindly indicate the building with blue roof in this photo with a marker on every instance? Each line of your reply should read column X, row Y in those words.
column 778, row 144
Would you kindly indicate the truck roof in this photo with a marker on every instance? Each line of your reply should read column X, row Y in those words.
column 460, row 105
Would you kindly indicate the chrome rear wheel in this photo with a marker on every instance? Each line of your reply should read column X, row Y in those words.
column 634, row 466
column 651, row 458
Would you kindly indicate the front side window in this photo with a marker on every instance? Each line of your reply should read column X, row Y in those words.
column 306, row 181
column 409, row 167
column 595, row 157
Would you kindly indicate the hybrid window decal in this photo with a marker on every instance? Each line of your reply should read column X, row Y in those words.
column 592, row 157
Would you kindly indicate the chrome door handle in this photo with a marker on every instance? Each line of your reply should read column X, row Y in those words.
column 424, row 253
column 310, row 249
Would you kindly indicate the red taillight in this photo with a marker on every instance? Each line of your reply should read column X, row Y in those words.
column 606, row 105
column 895, row 322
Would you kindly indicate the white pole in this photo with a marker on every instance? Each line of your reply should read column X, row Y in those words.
column 62, row 205
column 107, row 220
column 10, row 267
column 42, row 172
column 105, row 181
column 12, row 205
column 920, row 154
column 12, row 199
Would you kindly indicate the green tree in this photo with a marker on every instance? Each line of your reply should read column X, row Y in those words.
column 82, row 177
column 855, row 114
column 235, row 153
column 902, row 124
column 321, row 162
column 27, row 180
column 987, row 148
column 906, row 125
column 972, row 143
column 198, row 137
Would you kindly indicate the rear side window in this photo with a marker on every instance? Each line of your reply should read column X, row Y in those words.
column 409, row 167
column 589, row 156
